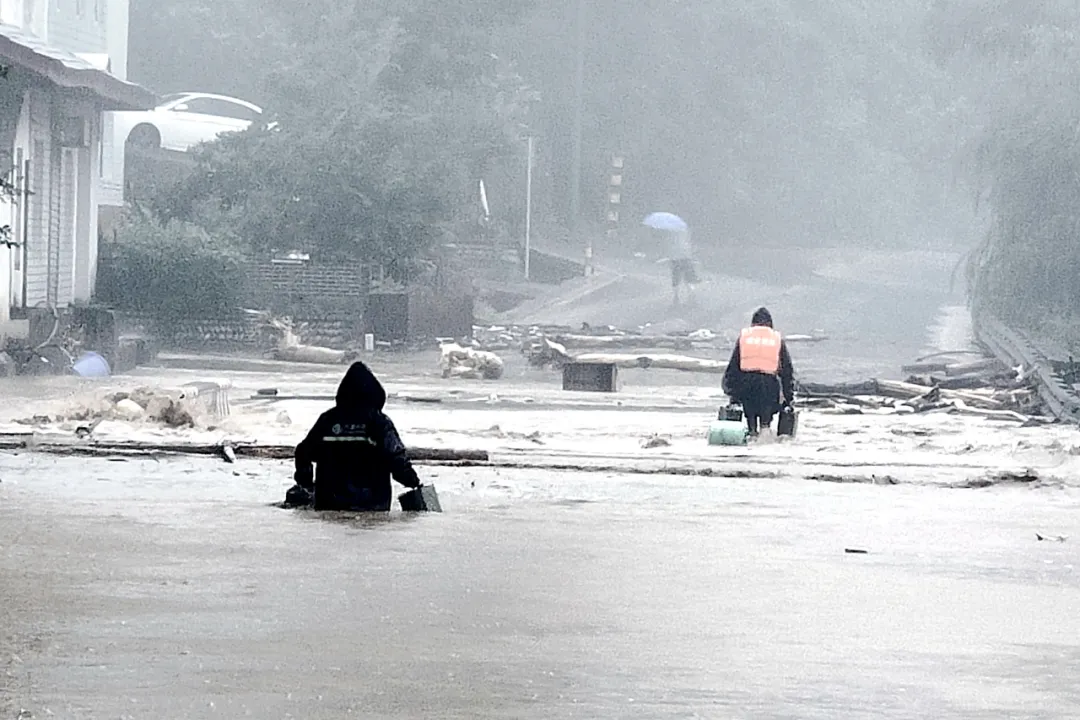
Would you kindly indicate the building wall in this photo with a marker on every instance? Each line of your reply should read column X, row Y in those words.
column 111, row 170
column 61, row 243
column 78, row 26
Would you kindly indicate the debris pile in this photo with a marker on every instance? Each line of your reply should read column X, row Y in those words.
column 469, row 363
column 173, row 407
column 289, row 348
column 983, row 388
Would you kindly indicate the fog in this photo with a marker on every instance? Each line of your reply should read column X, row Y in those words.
column 782, row 124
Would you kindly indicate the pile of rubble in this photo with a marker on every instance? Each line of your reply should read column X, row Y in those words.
column 180, row 407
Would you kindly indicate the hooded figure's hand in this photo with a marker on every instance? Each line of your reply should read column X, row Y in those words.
column 304, row 478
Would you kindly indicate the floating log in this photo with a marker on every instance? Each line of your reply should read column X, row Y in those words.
column 920, row 368
column 658, row 361
column 805, row 338
column 908, row 391
column 987, row 365
column 868, row 387
column 311, row 354
column 962, row 407
column 949, row 353
column 22, row 441
column 624, row 341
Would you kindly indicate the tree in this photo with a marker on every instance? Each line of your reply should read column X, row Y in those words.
column 1015, row 66
column 381, row 124
column 784, row 121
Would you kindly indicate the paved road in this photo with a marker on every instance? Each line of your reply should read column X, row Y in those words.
column 875, row 307
column 164, row 590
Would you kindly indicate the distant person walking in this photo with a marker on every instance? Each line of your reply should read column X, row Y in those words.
column 680, row 251
column 682, row 265
column 759, row 375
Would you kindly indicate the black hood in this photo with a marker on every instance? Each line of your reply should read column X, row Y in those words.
column 360, row 389
column 762, row 317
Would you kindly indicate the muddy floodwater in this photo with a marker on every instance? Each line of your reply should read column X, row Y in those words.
column 169, row 589
column 879, row 566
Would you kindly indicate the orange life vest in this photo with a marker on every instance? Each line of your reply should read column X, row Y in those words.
column 759, row 350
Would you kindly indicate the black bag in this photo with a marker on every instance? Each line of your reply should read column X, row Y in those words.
column 297, row 497
column 788, row 422
column 421, row 499
column 732, row 413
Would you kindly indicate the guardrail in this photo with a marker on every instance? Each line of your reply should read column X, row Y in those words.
column 1016, row 349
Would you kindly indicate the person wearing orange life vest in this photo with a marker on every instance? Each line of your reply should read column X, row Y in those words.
column 759, row 375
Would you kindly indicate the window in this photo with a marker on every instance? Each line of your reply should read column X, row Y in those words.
column 99, row 10
column 220, row 108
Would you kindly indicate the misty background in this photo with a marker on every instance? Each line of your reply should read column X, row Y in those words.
column 928, row 124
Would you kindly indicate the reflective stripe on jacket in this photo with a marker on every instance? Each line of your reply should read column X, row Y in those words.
column 759, row 350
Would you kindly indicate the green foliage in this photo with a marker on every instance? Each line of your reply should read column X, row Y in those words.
column 383, row 120
column 795, row 121
column 1020, row 64
column 168, row 270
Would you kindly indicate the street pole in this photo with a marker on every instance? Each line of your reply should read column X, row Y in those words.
column 528, row 207
column 579, row 101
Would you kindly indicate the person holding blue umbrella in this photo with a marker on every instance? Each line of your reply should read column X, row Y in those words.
column 682, row 251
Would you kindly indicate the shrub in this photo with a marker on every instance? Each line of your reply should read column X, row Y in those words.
column 169, row 271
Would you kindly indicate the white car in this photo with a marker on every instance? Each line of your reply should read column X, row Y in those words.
column 183, row 120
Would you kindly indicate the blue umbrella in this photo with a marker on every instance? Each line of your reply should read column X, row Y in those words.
column 665, row 221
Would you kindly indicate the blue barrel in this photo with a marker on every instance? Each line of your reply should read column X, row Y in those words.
column 91, row 365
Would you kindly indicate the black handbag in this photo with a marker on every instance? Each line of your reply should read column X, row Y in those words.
column 421, row 499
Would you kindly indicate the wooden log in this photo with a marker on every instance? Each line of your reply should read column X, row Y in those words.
column 988, row 365
column 655, row 360
column 21, row 441
column 907, row 391
column 310, row 354
column 868, row 387
column 975, row 381
column 924, row 367
column 805, row 338
column 624, row 341
column 962, row 407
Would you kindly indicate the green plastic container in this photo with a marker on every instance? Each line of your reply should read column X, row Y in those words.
column 728, row 432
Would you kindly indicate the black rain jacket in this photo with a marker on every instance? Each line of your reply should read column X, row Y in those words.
column 355, row 449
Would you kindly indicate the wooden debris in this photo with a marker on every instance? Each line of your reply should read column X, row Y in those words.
column 22, row 441
column 805, row 338
column 290, row 349
column 655, row 360
column 674, row 342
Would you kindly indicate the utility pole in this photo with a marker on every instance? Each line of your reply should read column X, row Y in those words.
column 528, row 207
column 615, row 184
column 579, row 101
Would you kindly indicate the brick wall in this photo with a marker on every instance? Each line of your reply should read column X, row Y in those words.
column 239, row 333
column 297, row 288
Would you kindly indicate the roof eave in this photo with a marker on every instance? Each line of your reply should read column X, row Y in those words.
column 110, row 92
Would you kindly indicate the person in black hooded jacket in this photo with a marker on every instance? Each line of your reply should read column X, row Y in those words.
column 355, row 449
column 762, row 393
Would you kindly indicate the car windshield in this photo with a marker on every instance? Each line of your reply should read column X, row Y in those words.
column 171, row 97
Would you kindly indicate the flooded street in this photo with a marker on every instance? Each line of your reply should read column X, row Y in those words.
column 580, row 574
column 170, row 590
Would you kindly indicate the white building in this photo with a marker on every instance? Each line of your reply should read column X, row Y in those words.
column 65, row 62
